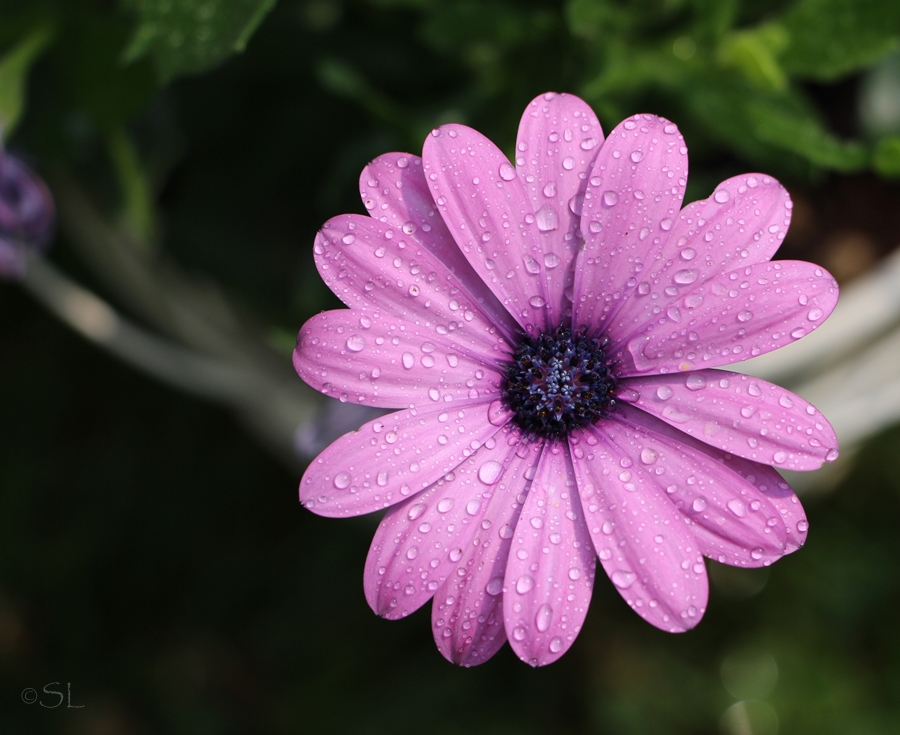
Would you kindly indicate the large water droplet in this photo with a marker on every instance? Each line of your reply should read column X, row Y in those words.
column 524, row 584
column 342, row 480
column 543, row 618
column 490, row 472
column 622, row 579
column 610, row 198
column 547, row 219
column 356, row 343
column 507, row 172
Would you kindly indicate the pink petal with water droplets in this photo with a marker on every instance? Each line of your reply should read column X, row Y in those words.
column 486, row 208
column 394, row 191
column 740, row 414
column 370, row 265
column 550, row 571
column 646, row 549
column 634, row 193
column 559, row 138
column 739, row 315
column 378, row 359
column 767, row 480
column 742, row 222
column 732, row 519
column 422, row 540
column 467, row 614
column 396, row 456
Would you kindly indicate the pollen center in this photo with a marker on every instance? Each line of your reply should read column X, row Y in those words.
column 557, row 382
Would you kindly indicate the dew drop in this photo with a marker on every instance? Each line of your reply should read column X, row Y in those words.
column 507, row 172
column 685, row 277
column 699, row 504
column 543, row 618
column 546, row 218
column 623, row 580
column 722, row 196
column 524, row 584
column 342, row 480
column 490, row 472
column 637, row 156
column 737, row 507
column 610, row 198
column 356, row 343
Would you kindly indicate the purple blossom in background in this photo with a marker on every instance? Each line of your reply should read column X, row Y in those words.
column 549, row 332
column 27, row 214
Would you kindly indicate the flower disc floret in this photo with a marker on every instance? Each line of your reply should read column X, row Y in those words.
column 558, row 382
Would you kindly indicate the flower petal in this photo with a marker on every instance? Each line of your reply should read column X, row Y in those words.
column 487, row 210
column 394, row 191
column 732, row 519
column 467, row 614
column 742, row 222
column 646, row 549
column 550, row 570
column 634, row 193
column 739, row 414
column 559, row 137
column 378, row 359
column 369, row 265
column 767, row 480
column 396, row 456
column 739, row 315
column 422, row 540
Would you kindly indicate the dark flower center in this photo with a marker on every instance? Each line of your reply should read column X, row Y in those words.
column 557, row 382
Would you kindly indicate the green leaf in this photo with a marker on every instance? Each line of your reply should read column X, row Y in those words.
column 14, row 68
column 831, row 38
column 886, row 158
column 755, row 52
column 763, row 124
column 192, row 36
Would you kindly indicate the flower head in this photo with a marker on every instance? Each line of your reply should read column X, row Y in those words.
column 550, row 333
column 27, row 214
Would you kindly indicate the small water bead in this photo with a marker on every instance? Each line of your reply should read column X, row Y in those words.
column 490, row 472
column 445, row 505
column 649, row 456
column 685, row 277
column 568, row 163
column 494, row 586
column 348, row 239
column 744, row 316
column 547, row 219
column 525, row 584
column 695, row 382
column 519, row 633
column 815, row 314
column 785, row 402
column 556, row 644
column 409, row 360
column 543, row 618
column 574, row 574
column 588, row 144
column 551, row 260
column 803, row 525
column 342, row 481
column 722, row 196
column 737, row 507
column 507, row 172
column 664, row 392
column 700, row 504
column 356, row 343
column 622, row 579
column 382, row 478
column 610, row 198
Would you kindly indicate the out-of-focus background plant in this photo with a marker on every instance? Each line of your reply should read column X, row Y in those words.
column 152, row 551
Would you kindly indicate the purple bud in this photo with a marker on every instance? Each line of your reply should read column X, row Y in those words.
column 27, row 214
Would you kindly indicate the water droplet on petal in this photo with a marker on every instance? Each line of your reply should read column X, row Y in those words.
column 543, row 618
column 490, row 472
column 622, row 579
column 356, row 343
column 610, row 198
column 737, row 507
column 547, row 218
column 342, row 480
column 722, row 196
column 637, row 156
column 524, row 584
column 507, row 172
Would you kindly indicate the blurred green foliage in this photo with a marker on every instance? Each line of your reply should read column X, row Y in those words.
column 152, row 556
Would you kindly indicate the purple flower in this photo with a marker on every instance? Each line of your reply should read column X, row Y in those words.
column 549, row 332
column 27, row 214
